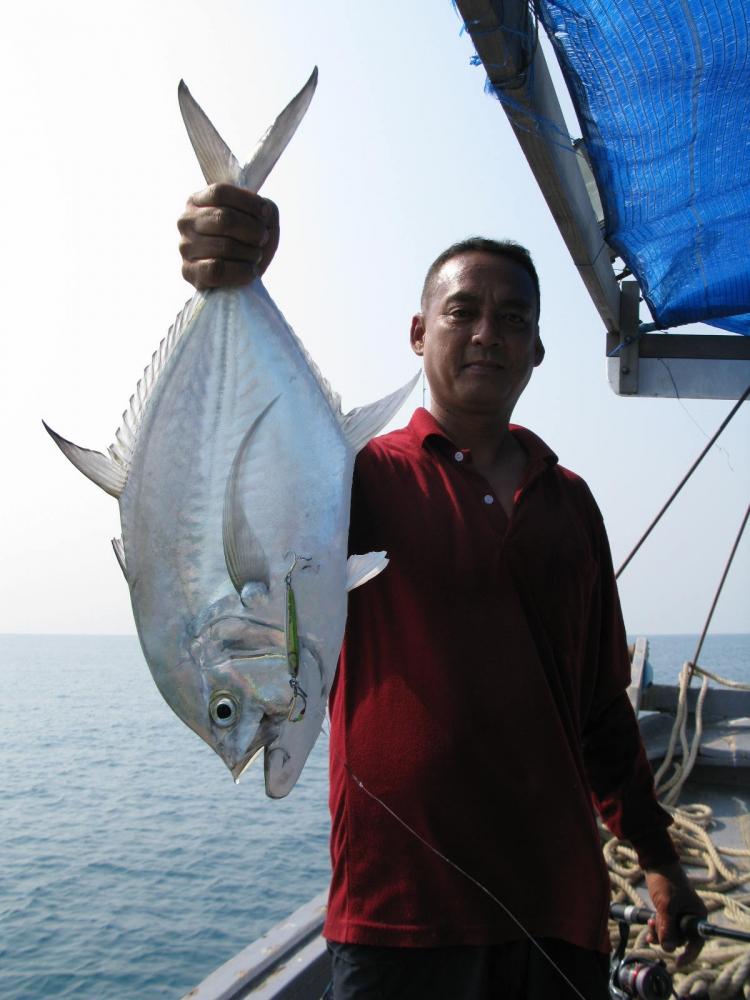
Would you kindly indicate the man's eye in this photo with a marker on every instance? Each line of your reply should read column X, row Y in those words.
column 514, row 318
column 460, row 313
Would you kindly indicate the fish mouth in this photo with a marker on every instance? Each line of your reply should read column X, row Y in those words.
column 242, row 765
column 265, row 735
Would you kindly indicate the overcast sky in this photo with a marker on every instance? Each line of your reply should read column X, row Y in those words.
column 401, row 154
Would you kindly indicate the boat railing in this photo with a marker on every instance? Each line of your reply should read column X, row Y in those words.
column 290, row 961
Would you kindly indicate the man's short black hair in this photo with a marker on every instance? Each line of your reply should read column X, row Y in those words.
column 500, row 248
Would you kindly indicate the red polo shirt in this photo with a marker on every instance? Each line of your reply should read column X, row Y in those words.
column 481, row 695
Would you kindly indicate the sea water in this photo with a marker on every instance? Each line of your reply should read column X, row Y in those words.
column 131, row 865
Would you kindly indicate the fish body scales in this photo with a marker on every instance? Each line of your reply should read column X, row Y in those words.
column 237, row 357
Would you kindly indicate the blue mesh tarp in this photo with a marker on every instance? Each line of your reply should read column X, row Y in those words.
column 662, row 91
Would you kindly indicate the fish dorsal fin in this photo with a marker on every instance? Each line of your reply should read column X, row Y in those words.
column 276, row 139
column 361, row 568
column 246, row 561
column 111, row 472
column 119, row 550
column 100, row 469
column 363, row 423
column 122, row 448
column 216, row 159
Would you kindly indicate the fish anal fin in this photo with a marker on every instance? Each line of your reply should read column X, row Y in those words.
column 366, row 421
column 104, row 471
column 362, row 568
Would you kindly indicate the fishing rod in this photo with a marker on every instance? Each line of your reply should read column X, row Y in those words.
column 648, row 979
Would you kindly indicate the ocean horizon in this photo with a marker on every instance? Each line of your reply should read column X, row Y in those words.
column 131, row 865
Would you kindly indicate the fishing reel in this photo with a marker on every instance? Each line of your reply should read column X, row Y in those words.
column 646, row 979
column 635, row 977
column 649, row 979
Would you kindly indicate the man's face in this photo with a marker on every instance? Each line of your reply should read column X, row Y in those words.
column 479, row 335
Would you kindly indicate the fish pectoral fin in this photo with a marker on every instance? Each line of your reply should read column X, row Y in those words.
column 366, row 421
column 247, row 563
column 119, row 550
column 216, row 159
column 276, row 139
column 103, row 471
column 361, row 568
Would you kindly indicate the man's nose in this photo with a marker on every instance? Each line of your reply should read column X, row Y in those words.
column 487, row 330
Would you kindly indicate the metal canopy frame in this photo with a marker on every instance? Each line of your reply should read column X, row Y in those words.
column 708, row 366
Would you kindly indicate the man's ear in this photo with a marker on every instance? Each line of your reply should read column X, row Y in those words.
column 416, row 334
column 538, row 351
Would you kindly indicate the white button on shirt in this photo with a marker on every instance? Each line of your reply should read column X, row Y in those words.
column 489, row 498
column 459, row 456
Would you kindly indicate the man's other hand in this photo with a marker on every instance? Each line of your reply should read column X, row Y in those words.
column 673, row 897
column 229, row 236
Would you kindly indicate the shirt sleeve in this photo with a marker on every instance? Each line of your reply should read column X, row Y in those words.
column 616, row 763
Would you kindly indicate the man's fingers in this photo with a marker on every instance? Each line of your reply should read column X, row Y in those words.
column 668, row 931
column 218, row 273
column 230, row 196
column 691, row 952
column 673, row 897
column 219, row 247
column 229, row 236
column 229, row 222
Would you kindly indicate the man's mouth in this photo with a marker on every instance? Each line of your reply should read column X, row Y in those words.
column 483, row 365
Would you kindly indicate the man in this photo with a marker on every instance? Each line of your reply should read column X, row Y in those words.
column 480, row 701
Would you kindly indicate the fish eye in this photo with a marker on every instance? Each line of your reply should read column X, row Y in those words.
column 224, row 709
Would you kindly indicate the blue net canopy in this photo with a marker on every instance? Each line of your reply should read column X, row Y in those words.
column 662, row 91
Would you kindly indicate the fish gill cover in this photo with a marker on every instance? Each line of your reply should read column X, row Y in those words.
column 662, row 91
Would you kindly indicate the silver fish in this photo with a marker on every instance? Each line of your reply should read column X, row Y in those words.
column 233, row 467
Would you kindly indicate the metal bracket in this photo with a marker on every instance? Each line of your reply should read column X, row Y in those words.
column 677, row 365
column 622, row 347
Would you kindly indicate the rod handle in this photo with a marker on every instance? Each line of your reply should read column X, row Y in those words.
column 691, row 926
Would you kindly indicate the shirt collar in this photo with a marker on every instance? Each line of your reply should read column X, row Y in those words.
column 424, row 426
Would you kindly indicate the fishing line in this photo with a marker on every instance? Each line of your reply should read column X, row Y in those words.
column 360, row 784
column 703, row 431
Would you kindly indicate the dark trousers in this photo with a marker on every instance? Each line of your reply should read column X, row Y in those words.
column 516, row 970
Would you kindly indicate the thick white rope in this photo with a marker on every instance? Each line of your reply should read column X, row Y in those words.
column 722, row 970
column 724, row 681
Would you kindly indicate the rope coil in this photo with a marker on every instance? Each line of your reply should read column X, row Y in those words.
column 722, row 970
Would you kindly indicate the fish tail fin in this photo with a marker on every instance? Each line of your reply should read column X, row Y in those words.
column 276, row 139
column 364, row 423
column 216, row 159
column 103, row 471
